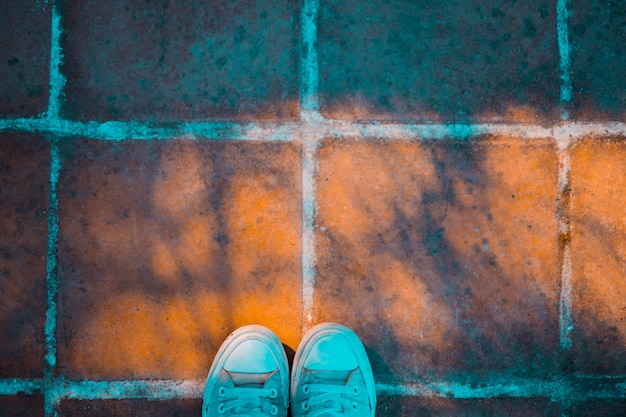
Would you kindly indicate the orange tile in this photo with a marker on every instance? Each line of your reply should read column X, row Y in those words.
column 442, row 256
column 167, row 247
column 24, row 196
column 598, row 250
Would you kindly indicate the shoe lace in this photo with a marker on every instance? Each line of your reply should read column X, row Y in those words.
column 247, row 402
column 328, row 399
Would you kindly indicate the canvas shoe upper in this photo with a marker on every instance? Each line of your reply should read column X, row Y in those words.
column 332, row 375
column 249, row 376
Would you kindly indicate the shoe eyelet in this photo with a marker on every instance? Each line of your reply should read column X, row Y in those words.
column 305, row 405
column 274, row 410
column 305, row 389
column 354, row 406
column 221, row 391
column 221, row 408
column 273, row 393
column 355, row 390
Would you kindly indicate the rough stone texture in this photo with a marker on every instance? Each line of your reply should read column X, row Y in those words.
column 167, row 247
column 22, row 406
column 598, row 250
column 184, row 60
column 24, row 57
column 393, row 406
column 598, row 59
column 442, row 256
column 439, row 61
column 130, row 408
column 24, row 178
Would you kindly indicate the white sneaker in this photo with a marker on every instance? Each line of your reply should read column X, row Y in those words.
column 332, row 375
column 249, row 376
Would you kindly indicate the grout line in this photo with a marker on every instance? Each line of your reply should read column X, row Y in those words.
column 565, row 391
column 566, row 323
column 288, row 131
column 564, row 197
column 145, row 389
column 565, row 62
column 309, row 71
column 120, row 130
column 52, row 284
column 565, row 139
column 522, row 388
column 15, row 386
column 580, row 388
column 57, row 80
column 309, row 170
column 310, row 132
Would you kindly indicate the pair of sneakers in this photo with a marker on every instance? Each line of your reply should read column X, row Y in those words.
column 331, row 376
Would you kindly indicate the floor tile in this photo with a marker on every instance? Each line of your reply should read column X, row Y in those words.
column 22, row 405
column 605, row 408
column 167, row 247
column 598, row 252
column 24, row 196
column 598, row 58
column 442, row 256
column 182, row 60
column 439, row 61
column 24, row 57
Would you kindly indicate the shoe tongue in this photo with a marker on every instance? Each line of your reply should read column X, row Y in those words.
column 247, row 380
column 330, row 377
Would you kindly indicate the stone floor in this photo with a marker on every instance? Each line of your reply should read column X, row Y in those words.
column 446, row 179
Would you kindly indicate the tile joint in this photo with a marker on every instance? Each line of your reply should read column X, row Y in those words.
column 565, row 64
column 310, row 133
column 312, row 126
column 578, row 388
